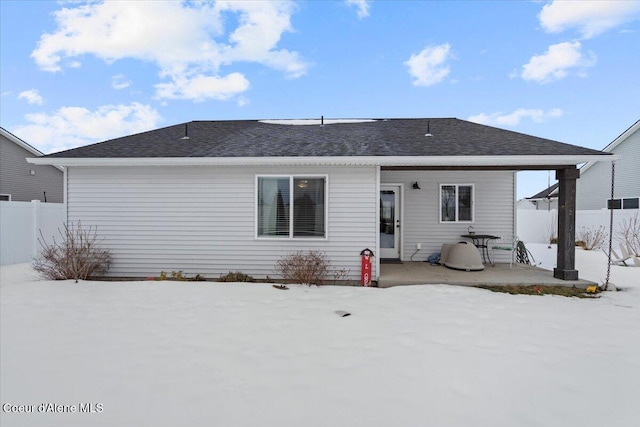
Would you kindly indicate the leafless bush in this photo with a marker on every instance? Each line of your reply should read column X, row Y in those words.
column 77, row 256
column 629, row 233
column 340, row 275
column 309, row 268
column 552, row 230
column 592, row 237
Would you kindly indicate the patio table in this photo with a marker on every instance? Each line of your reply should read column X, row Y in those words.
column 481, row 241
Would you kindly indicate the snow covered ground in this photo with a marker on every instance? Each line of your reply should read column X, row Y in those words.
column 224, row 354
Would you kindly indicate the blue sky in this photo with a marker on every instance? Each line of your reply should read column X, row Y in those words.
column 75, row 72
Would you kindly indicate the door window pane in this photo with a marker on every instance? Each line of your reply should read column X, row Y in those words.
column 387, row 219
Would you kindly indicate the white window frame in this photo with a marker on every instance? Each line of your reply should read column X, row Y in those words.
column 6, row 195
column 292, row 178
column 457, row 212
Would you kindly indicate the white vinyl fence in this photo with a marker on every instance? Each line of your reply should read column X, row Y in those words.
column 538, row 226
column 20, row 226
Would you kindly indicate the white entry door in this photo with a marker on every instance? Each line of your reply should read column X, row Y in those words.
column 390, row 221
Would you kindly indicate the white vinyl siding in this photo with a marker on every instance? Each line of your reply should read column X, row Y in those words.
column 594, row 186
column 494, row 205
column 202, row 219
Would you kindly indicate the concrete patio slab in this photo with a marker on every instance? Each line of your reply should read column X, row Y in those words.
column 417, row 273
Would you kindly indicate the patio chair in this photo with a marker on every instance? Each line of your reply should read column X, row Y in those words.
column 629, row 254
column 620, row 260
column 506, row 243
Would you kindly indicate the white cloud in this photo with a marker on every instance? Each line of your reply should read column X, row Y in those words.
column 429, row 66
column 31, row 96
column 362, row 7
column 514, row 118
column 70, row 127
column 201, row 87
column 590, row 18
column 184, row 39
column 120, row 81
column 556, row 63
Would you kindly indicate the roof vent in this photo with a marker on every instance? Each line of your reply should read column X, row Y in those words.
column 186, row 131
column 428, row 134
column 321, row 121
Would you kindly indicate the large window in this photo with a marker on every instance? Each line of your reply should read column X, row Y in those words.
column 628, row 203
column 456, row 203
column 291, row 206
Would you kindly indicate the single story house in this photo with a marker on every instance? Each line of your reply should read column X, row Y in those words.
column 210, row 197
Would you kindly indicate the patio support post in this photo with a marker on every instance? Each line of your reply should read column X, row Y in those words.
column 566, row 261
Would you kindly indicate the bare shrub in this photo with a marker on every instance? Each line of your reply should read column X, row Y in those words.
column 77, row 256
column 340, row 275
column 552, row 230
column 309, row 268
column 592, row 237
column 629, row 233
column 236, row 276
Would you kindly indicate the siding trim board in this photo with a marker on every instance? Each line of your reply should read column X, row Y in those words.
column 439, row 162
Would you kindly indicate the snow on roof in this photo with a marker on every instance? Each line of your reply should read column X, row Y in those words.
column 306, row 122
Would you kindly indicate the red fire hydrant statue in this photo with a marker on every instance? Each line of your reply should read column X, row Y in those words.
column 365, row 267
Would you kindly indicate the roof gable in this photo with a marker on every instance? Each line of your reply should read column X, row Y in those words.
column 11, row 137
column 547, row 193
column 624, row 136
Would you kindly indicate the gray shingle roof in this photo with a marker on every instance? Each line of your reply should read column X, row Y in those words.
column 546, row 193
column 392, row 137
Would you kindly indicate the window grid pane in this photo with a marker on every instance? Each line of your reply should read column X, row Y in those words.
column 456, row 203
column 273, row 206
column 631, row 203
column 614, row 204
column 308, row 207
column 464, row 203
column 448, row 202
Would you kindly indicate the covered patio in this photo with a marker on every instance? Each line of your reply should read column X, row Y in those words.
column 415, row 273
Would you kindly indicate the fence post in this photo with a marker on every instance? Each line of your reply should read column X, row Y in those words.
column 37, row 220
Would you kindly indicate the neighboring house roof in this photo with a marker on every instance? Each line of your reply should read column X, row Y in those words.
column 11, row 137
column 20, row 142
column 384, row 141
column 615, row 143
column 548, row 193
